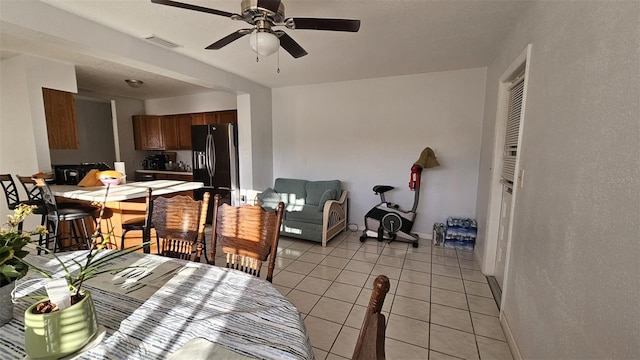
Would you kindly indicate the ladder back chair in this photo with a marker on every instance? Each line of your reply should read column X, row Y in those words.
column 247, row 234
column 143, row 224
column 55, row 215
column 370, row 343
column 179, row 222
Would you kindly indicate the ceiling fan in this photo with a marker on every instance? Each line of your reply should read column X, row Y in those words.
column 263, row 15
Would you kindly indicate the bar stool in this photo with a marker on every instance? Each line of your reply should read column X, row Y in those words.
column 56, row 214
column 10, row 191
column 142, row 224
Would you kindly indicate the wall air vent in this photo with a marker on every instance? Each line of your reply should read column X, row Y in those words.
column 155, row 39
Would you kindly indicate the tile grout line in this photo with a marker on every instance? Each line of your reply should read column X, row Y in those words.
column 473, row 329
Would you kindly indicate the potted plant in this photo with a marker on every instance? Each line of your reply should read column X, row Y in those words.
column 51, row 332
column 12, row 268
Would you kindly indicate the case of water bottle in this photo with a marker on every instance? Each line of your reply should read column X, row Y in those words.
column 460, row 233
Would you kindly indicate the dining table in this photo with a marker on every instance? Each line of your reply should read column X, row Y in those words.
column 155, row 307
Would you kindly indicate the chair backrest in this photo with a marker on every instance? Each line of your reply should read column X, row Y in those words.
column 180, row 222
column 248, row 234
column 370, row 343
column 48, row 197
column 34, row 193
column 10, row 191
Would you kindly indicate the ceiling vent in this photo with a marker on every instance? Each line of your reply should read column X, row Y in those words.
column 155, row 39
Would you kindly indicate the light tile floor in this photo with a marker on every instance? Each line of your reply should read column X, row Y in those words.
column 439, row 305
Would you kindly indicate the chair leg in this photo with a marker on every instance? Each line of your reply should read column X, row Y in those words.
column 122, row 239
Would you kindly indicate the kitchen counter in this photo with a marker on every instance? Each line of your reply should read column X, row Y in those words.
column 165, row 172
column 128, row 191
column 125, row 202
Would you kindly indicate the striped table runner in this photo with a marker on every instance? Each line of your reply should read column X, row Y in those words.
column 239, row 312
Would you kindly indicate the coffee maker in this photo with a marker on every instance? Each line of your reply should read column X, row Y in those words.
column 154, row 162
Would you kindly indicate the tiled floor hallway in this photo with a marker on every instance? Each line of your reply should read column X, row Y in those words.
column 439, row 306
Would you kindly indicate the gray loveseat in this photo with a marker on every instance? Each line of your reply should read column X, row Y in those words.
column 315, row 210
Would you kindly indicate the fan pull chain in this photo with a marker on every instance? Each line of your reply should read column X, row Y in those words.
column 278, row 61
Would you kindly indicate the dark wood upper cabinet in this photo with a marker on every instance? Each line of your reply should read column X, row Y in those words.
column 226, row 116
column 173, row 132
column 147, row 132
column 60, row 114
column 183, row 124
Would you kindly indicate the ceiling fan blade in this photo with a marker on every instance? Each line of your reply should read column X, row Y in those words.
column 195, row 7
column 271, row 5
column 323, row 24
column 290, row 45
column 228, row 39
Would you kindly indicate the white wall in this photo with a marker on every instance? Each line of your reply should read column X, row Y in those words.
column 572, row 289
column 210, row 101
column 24, row 147
column 371, row 132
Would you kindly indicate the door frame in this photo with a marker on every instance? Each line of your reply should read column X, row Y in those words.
column 522, row 62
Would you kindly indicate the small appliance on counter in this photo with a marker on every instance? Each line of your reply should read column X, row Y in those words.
column 154, row 162
column 73, row 174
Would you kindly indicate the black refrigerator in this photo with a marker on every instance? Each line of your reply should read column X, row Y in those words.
column 215, row 162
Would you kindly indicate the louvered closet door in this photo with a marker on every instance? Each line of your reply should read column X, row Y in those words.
column 514, row 114
column 511, row 135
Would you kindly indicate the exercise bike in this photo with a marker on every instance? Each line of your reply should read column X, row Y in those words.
column 386, row 221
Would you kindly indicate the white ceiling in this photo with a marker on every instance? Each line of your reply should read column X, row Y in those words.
column 396, row 37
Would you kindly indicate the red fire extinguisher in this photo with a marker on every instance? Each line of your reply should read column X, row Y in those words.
column 414, row 180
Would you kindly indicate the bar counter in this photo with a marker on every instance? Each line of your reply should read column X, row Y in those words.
column 123, row 202
column 124, row 192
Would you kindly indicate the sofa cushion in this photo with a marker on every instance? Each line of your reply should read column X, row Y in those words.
column 307, row 214
column 328, row 194
column 316, row 190
column 292, row 191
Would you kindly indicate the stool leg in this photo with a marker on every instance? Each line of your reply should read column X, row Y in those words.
column 86, row 233
column 56, row 237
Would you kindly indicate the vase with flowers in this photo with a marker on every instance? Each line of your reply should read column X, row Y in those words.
column 12, row 251
column 64, row 323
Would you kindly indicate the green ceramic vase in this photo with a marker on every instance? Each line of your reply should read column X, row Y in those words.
column 6, row 305
column 60, row 333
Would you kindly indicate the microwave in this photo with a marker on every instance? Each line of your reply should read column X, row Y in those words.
column 74, row 173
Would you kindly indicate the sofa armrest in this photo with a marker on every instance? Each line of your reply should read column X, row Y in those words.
column 334, row 217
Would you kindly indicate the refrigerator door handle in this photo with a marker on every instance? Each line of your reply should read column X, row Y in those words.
column 208, row 155
column 212, row 154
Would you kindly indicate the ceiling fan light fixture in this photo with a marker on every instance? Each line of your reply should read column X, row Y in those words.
column 264, row 43
column 134, row 83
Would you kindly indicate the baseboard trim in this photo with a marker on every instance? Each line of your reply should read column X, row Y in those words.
column 515, row 351
column 495, row 290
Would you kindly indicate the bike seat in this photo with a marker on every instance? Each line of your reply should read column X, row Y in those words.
column 381, row 189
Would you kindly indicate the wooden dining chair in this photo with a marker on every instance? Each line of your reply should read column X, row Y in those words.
column 370, row 343
column 179, row 222
column 247, row 234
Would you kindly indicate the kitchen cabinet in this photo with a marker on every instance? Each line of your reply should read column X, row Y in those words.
column 60, row 115
column 173, row 132
column 214, row 117
column 226, row 116
column 176, row 131
column 161, row 176
column 147, row 132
